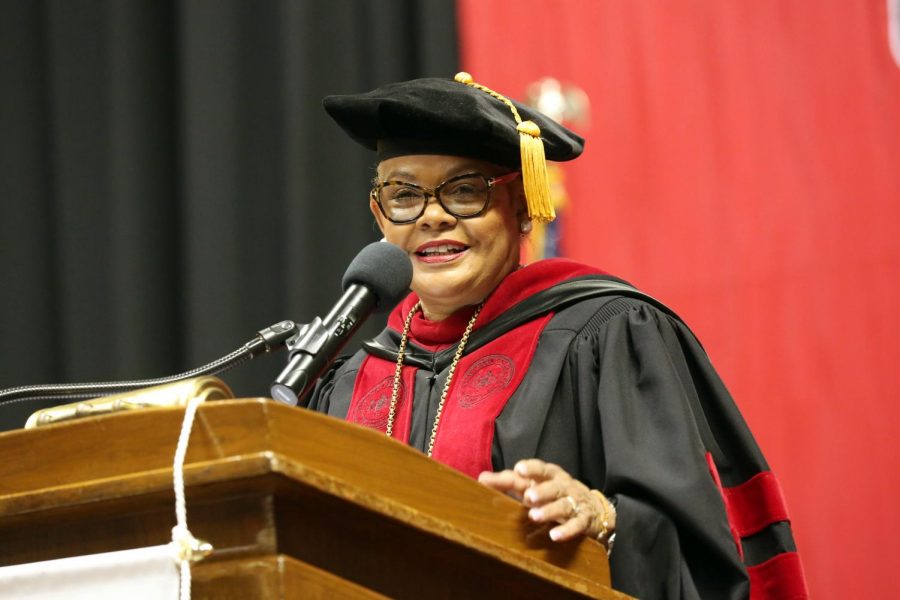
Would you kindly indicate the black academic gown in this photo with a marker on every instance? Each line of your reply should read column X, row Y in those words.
column 620, row 394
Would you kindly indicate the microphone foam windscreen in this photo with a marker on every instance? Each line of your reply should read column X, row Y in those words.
column 383, row 268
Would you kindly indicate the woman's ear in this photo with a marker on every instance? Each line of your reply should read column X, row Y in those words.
column 521, row 202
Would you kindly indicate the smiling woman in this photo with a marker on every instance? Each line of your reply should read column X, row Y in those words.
column 556, row 383
column 457, row 260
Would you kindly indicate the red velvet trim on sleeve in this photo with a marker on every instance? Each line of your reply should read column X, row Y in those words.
column 756, row 503
column 714, row 472
column 751, row 507
column 779, row 578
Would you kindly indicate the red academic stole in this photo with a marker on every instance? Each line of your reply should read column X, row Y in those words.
column 484, row 381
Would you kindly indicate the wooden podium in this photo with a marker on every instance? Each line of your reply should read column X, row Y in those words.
column 295, row 503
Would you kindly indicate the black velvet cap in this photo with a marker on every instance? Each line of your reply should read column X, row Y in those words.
column 443, row 116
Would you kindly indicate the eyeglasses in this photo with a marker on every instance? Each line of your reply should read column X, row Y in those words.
column 464, row 196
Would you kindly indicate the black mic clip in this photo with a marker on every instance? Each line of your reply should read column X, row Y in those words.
column 302, row 348
column 272, row 338
column 312, row 336
column 309, row 339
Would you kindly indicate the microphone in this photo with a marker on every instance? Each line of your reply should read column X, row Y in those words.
column 377, row 279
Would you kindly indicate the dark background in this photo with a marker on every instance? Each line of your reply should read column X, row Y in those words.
column 169, row 181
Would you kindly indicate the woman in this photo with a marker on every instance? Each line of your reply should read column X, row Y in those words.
column 555, row 383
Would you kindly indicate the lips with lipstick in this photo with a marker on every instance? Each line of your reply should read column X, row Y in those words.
column 440, row 251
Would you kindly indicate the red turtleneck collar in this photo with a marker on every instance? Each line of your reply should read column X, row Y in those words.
column 517, row 286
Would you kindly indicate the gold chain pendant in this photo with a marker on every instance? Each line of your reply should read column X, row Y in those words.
column 395, row 388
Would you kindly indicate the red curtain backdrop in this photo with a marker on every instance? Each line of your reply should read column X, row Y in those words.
column 743, row 165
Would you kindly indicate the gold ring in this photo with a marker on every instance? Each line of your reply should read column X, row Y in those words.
column 574, row 506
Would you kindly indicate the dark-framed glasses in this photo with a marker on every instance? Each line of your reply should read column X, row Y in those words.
column 463, row 196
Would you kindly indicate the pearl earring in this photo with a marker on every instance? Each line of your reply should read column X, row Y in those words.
column 525, row 226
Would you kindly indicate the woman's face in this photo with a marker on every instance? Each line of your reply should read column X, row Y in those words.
column 468, row 258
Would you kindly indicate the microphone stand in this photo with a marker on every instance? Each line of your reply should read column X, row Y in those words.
column 267, row 340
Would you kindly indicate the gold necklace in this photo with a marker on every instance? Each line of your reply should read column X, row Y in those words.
column 395, row 389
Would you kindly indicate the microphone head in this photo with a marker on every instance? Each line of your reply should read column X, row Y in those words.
column 383, row 268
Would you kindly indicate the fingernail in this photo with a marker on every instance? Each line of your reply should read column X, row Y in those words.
column 535, row 514
column 531, row 495
column 555, row 534
column 520, row 469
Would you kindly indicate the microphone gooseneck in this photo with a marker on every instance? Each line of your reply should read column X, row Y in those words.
column 266, row 340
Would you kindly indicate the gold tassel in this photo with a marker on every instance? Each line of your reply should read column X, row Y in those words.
column 534, row 162
column 534, row 173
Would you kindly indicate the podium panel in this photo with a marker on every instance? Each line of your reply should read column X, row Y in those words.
column 295, row 504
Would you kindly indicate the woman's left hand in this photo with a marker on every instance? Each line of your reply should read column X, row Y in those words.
column 553, row 496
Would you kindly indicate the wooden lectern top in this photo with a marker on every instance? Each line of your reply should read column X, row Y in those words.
column 287, row 488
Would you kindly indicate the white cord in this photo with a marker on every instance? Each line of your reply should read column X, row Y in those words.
column 185, row 545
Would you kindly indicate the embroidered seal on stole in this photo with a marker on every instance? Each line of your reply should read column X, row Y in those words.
column 374, row 406
column 484, row 377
